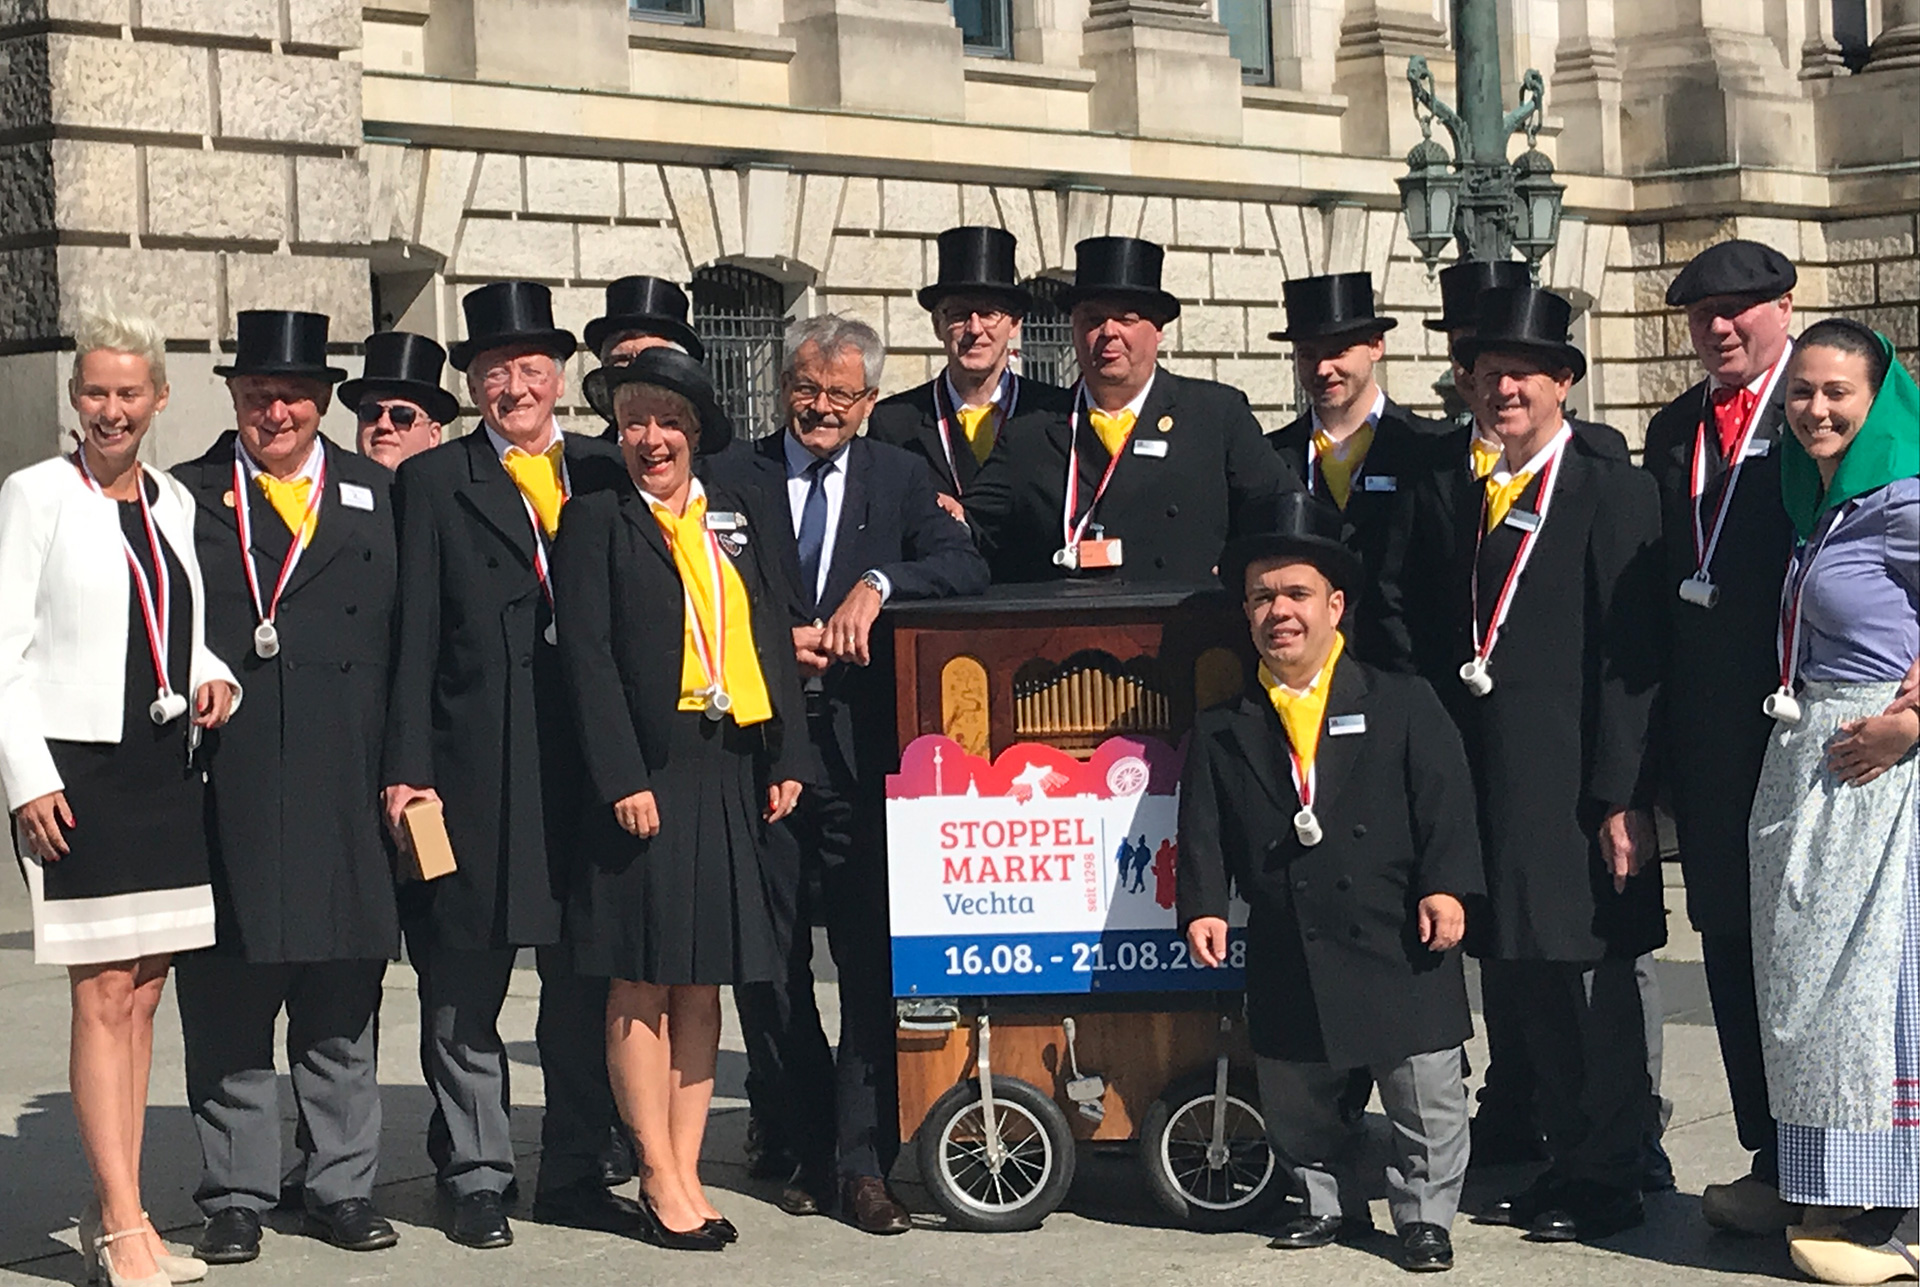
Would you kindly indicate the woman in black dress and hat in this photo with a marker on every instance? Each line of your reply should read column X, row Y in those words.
column 679, row 665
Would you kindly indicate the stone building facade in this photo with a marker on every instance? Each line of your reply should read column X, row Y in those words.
column 198, row 157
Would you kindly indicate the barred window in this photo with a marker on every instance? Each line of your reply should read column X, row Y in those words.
column 740, row 316
column 1046, row 336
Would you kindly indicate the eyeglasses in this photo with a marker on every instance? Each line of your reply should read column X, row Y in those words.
column 402, row 415
column 838, row 399
column 988, row 315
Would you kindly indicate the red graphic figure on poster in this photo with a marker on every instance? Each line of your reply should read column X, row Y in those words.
column 1163, row 864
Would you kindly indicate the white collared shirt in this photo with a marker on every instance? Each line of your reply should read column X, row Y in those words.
column 1501, row 474
column 694, row 492
column 501, row 446
column 996, row 400
column 309, row 470
column 1758, row 385
column 1373, row 418
column 834, row 483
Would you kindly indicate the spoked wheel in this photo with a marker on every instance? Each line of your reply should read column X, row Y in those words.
column 1016, row 1190
column 1207, row 1187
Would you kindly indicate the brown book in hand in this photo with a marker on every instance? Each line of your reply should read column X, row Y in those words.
column 427, row 836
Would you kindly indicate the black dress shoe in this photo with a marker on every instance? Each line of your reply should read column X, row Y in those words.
column 619, row 1161
column 586, row 1204
column 807, row 1192
column 721, row 1228
column 1309, row 1231
column 1586, row 1213
column 232, row 1237
column 480, row 1220
column 353, row 1225
column 1520, row 1210
column 657, row 1233
column 1425, row 1249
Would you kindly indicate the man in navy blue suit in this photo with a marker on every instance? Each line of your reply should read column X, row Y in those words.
column 866, row 529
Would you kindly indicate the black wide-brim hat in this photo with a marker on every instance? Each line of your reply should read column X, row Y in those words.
column 273, row 341
column 507, row 313
column 648, row 306
column 1337, row 304
column 977, row 260
column 401, row 364
column 1461, row 285
column 1291, row 525
column 1125, row 268
column 669, row 369
column 1524, row 320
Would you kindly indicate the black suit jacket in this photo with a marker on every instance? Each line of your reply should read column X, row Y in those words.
column 1336, row 971
column 479, row 711
column 300, row 866
column 1564, row 735
column 909, row 420
column 1721, row 662
column 1174, row 512
column 1405, row 446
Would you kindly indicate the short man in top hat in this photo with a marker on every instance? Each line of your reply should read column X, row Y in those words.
column 1727, row 542
column 1150, row 472
column 953, row 420
column 1535, row 612
column 398, row 401
column 1354, row 445
column 295, row 538
column 1337, row 798
column 480, row 722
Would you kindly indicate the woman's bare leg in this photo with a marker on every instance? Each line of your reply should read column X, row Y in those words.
column 695, row 1023
column 150, row 985
column 100, row 1069
column 640, row 1066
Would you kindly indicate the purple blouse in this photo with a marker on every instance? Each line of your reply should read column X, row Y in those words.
column 1861, row 609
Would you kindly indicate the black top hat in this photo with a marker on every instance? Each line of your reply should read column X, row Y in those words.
column 272, row 341
column 1290, row 525
column 401, row 364
column 504, row 313
column 649, row 305
column 1120, row 268
column 1522, row 320
column 1337, row 304
column 977, row 260
column 665, row 369
column 1733, row 268
column 1461, row 284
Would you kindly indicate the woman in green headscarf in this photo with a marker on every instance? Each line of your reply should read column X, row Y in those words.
column 1832, row 836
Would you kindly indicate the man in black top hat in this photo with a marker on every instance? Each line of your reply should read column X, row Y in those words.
column 1337, row 799
column 295, row 541
column 1712, row 451
column 398, row 400
column 642, row 313
column 480, row 722
column 1354, row 446
column 1149, row 472
column 953, row 420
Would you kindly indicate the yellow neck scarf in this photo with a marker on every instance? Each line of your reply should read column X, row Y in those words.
column 1501, row 497
column 686, row 538
column 977, row 423
column 1113, row 428
column 1303, row 714
column 539, row 480
column 289, row 499
column 1485, row 456
column 1338, row 462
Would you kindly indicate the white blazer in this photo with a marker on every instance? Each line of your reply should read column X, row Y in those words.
column 63, row 617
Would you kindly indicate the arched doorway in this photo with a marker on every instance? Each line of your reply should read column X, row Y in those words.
column 741, row 315
column 1046, row 337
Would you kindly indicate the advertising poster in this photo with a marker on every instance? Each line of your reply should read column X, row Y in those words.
column 1040, row 873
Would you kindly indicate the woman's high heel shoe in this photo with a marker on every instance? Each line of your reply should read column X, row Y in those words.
column 99, row 1258
column 721, row 1228
column 178, row 1269
column 653, row 1230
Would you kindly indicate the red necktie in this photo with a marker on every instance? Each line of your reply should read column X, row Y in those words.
column 1731, row 410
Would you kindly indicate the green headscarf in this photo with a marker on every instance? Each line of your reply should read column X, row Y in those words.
column 1887, row 447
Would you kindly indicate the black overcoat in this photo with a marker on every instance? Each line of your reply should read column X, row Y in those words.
column 1564, row 736
column 1721, row 663
column 1174, row 511
column 1336, row 971
column 1404, row 447
column 909, row 420
column 479, row 710
column 301, row 872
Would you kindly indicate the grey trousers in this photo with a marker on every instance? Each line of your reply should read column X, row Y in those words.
column 465, row 1064
column 1425, row 1099
column 227, row 1012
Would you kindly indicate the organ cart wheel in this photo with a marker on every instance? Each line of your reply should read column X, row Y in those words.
column 1208, row 1161
column 996, row 1166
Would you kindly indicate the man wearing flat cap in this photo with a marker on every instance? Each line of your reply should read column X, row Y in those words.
column 953, row 420
column 481, row 724
column 295, row 538
column 398, row 402
column 1533, row 603
column 1354, row 446
column 1337, row 799
column 1149, row 473
column 1713, row 452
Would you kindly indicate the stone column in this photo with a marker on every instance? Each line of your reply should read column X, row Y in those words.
column 179, row 176
column 1897, row 47
column 1874, row 118
column 578, row 44
column 1048, row 31
column 1585, row 89
column 1306, row 36
column 894, row 56
column 1164, row 69
column 1370, row 68
column 1820, row 54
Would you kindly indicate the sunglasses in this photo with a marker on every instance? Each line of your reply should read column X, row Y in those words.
column 402, row 416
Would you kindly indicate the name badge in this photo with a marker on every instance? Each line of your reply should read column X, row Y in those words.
column 1149, row 446
column 354, row 496
column 1380, row 483
column 1342, row 725
column 1524, row 519
column 1758, row 447
column 725, row 520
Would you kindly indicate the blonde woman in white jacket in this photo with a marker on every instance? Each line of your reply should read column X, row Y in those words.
column 105, row 686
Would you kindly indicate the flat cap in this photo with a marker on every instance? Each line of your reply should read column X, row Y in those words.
column 1733, row 268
